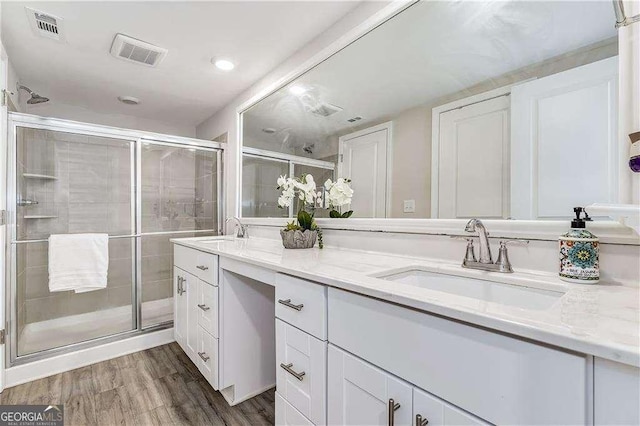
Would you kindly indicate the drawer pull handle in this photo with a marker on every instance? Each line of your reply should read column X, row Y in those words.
column 202, row 267
column 204, row 356
column 393, row 406
column 181, row 289
column 288, row 303
column 204, row 307
column 288, row 369
column 420, row 421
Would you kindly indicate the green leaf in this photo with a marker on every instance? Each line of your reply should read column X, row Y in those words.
column 305, row 220
column 334, row 214
column 347, row 214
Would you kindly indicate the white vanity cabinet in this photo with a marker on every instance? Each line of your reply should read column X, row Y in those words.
column 196, row 308
column 341, row 358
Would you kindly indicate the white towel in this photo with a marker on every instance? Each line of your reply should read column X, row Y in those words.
column 78, row 262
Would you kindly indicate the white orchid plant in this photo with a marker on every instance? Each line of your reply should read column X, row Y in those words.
column 337, row 195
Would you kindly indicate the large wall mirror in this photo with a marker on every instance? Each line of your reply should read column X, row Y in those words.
column 496, row 110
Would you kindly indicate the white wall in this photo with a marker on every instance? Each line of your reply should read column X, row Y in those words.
column 79, row 113
column 225, row 119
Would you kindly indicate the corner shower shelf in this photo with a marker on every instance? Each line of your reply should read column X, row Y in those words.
column 38, row 176
column 40, row 217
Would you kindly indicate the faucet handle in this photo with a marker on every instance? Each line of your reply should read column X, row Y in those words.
column 518, row 241
column 504, row 265
column 470, row 255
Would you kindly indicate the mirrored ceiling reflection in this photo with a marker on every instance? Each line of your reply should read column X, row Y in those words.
column 500, row 109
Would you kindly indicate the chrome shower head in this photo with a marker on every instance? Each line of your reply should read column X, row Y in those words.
column 35, row 98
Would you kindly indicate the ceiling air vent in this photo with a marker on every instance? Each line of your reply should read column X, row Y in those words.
column 138, row 51
column 45, row 25
column 325, row 110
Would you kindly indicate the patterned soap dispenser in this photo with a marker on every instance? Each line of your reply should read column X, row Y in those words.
column 579, row 252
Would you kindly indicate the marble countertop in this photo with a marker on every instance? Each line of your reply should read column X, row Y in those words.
column 601, row 320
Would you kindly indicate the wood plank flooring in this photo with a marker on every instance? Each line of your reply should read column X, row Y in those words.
column 159, row 386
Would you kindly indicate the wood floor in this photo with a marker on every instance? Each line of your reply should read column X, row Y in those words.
column 159, row 386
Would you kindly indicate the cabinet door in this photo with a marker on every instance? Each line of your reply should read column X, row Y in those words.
column 361, row 394
column 208, row 307
column 301, row 376
column 179, row 308
column 287, row 415
column 428, row 407
column 190, row 293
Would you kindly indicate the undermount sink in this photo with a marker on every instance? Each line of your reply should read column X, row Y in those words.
column 488, row 291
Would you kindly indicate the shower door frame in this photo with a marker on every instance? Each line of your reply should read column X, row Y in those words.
column 136, row 138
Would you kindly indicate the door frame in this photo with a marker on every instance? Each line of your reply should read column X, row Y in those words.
column 388, row 126
column 435, row 132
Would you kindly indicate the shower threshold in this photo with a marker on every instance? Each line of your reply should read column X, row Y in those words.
column 58, row 332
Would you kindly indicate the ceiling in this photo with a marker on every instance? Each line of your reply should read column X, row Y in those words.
column 426, row 53
column 185, row 88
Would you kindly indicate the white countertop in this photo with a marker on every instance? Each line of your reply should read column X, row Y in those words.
column 601, row 320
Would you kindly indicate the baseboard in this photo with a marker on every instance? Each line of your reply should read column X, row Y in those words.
column 65, row 362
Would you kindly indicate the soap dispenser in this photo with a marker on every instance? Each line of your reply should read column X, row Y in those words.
column 579, row 252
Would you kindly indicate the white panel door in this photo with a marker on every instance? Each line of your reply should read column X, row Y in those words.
column 564, row 132
column 301, row 376
column 359, row 393
column 473, row 161
column 364, row 160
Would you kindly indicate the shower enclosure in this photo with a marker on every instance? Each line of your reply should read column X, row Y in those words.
column 140, row 188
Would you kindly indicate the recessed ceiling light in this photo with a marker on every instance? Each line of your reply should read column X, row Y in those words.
column 223, row 64
column 129, row 100
column 297, row 90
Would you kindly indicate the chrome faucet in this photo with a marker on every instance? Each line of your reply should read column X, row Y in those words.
column 243, row 230
column 483, row 236
column 485, row 262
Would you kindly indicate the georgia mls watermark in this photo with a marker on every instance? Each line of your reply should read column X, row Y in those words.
column 31, row 415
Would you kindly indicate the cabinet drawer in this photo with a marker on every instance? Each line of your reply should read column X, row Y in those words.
column 301, row 371
column 518, row 382
column 202, row 265
column 287, row 415
column 302, row 304
column 208, row 357
column 208, row 307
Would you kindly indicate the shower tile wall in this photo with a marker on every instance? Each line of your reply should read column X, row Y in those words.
column 82, row 184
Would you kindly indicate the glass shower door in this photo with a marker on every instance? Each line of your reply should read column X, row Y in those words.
column 71, row 183
column 180, row 190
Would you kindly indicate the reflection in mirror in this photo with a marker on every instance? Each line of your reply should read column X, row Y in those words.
column 498, row 110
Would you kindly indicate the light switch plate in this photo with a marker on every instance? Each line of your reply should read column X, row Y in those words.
column 409, row 206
